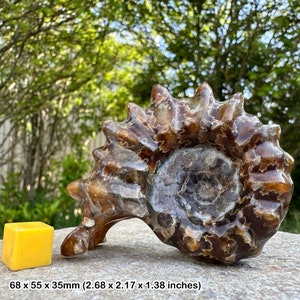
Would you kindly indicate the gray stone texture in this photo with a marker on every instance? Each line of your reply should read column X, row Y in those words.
column 133, row 263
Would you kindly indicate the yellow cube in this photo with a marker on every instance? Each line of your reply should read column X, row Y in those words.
column 27, row 245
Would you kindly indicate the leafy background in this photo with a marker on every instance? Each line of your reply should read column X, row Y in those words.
column 65, row 66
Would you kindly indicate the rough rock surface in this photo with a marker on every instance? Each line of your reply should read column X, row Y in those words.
column 134, row 264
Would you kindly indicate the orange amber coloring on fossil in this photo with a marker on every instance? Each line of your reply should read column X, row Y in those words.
column 207, row 177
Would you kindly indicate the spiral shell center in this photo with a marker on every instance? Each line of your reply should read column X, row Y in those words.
column 204, row 181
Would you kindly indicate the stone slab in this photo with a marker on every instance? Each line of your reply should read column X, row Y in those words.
column 134, row 264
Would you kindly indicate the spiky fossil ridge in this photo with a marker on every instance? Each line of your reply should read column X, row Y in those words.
column 207, row 177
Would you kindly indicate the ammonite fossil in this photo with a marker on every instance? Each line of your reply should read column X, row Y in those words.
column 207, row 177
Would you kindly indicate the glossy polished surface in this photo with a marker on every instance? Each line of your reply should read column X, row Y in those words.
column 207, row 177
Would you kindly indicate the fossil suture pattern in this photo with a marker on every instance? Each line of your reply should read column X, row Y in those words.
column 207, row 177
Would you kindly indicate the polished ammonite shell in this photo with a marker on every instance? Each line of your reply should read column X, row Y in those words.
column 207, row 177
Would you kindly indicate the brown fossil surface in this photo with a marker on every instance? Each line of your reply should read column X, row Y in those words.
column 207, row 177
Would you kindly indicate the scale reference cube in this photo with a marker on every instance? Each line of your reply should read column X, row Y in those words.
column 27, row 245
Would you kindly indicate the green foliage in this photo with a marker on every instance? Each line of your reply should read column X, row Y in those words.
column 60, row 211
column 15, row 208
column 292, row 222
column 68, row 213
